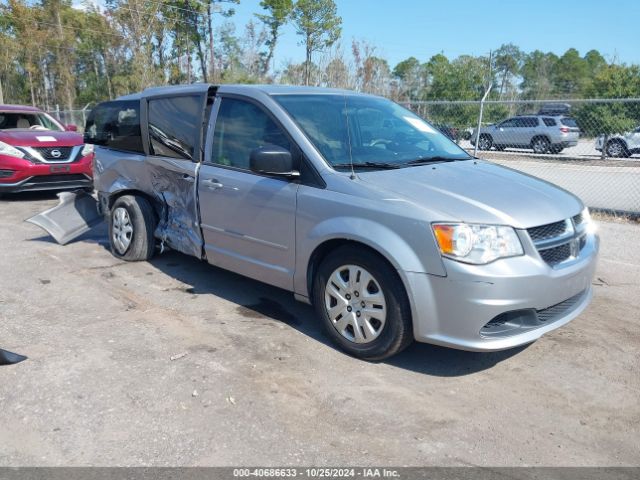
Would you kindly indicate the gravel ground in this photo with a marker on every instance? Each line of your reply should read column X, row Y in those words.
column 253, row 381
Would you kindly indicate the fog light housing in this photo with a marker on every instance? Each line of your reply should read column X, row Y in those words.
column 6, row 173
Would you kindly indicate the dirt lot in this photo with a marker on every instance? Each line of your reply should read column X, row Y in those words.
column 260, row 385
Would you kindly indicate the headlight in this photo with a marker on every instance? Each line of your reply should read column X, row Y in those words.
column 6, row 149
column 587, row 224
column 477, row 244
column 87, row 149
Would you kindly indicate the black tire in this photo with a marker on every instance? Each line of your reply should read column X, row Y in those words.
column 540, row 145
column 396, row 333
column 485, row 142
column 616, row 149
column 143, row 221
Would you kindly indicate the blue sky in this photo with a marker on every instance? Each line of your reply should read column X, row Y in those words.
column 422, row 28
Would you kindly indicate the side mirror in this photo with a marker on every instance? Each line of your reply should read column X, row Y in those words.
column 71, row 128
column 272, row 160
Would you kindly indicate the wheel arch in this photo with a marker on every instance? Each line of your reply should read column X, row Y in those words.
column 540, row 135
column 111, row 199
column 619, row 140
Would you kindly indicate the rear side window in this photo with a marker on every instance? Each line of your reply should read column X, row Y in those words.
column 527, row 122
column 549, row 122
column 174, row 126
column 568, row 122
column 115, row 125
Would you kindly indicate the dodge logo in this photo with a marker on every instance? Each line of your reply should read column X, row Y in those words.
column 56, row 153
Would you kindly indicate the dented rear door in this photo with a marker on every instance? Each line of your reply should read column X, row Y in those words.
column 174, row 134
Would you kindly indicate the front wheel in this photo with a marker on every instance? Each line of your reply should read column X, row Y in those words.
column 131, row 228
column 485, row 142
column 616, row 149
column 540, row 145
column 362, row 304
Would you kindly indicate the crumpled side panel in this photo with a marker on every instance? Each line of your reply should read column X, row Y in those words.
column 171, row 183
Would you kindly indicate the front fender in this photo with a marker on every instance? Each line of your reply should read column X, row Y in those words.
column 387, row 242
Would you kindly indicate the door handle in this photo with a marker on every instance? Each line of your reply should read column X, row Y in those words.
column 213, row 184
column 188, row 178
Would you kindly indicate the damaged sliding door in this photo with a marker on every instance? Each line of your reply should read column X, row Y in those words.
column 175, row 146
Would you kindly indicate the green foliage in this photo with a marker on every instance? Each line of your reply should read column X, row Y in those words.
column 279, row 12
column 319, row 25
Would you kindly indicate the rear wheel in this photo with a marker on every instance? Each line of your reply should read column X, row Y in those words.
column 131, row 227
column 616, row 149
column 362, row 304
column 540, row 145
column 485, row 142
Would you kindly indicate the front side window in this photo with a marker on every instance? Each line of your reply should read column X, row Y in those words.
column 512, row 122
column 115, row 125
column 174, row 126
column 361, row 130
column 28, row 120
column 240, row 128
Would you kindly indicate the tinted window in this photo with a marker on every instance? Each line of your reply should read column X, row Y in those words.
column 549, row 122
column 174, row 126
column 509, row 123
column 568, row 122
column 240, row 128
column 527, row 122
column 115, row 125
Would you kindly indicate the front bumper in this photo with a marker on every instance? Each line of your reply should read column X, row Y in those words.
column 533, row 297
column 28, row 176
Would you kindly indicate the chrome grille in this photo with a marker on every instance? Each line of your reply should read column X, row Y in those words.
column 559, row 241
column 558, row 310
column 556, row 255
column 546, row 232
column 577, row 219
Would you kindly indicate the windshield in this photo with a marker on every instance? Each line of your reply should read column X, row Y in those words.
column 28, row 121
column 367, row 131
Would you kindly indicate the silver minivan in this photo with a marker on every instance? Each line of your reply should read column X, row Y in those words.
column 353, row 203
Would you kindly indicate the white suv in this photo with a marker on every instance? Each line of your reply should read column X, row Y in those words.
column 541, row 133
column 620, row 146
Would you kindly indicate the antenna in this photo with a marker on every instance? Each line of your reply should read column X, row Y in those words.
column 346, row 114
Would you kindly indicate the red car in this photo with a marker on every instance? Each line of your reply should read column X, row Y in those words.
column 37, row 152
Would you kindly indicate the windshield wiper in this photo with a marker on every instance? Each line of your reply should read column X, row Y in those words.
column 434, row 159
column 381, row 165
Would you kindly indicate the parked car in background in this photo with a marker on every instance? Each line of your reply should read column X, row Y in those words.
column 540, row 133
column 620, row 146
column 37, row 152
column 353, row 203
column 450, row 132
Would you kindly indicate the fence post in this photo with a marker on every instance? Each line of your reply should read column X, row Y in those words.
column 475, row 147
column 84, row 116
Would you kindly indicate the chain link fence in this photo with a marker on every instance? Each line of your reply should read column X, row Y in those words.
column 71, row 117
column 589, row 147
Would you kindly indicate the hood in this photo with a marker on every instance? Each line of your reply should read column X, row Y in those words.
column 477, row 192
column 40, row 138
